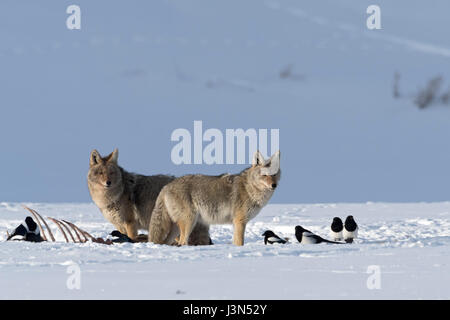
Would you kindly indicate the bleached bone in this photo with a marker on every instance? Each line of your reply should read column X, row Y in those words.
column 68, row 230
column 85, row 234
column 63, row 225
column 37, row 216
column 75, row 230
column 38, row 223
column 59, row 227
column 82, row 232
column 45, row 223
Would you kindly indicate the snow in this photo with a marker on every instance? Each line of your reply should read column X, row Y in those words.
column 409, row 242
column 135, row 73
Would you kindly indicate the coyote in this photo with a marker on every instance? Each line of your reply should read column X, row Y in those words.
column 127, row 199
column 198, row 200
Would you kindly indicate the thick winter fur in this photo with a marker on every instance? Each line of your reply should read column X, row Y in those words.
column 199, row 201
column 126, row 199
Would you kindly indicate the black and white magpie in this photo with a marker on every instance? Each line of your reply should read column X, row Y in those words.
column 350, row 229
column 120, row 237
column 271, row 238
column 336, row 229
column 27, row 231
column 307, row 237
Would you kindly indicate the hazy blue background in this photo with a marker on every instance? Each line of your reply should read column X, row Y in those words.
column 137, row 70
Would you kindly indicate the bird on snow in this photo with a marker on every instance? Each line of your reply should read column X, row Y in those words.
column 271, row 238
column 336, row 229
column 350, row 229
column 307, row 237
column 27, row 231
column 120, row 237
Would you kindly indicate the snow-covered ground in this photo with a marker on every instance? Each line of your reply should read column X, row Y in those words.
column 136, row 72
column 409, row 243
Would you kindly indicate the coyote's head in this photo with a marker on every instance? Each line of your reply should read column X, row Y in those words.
column 104, row 172
column 265, row 173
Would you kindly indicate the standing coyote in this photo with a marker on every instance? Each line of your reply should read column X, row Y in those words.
column 198, row 200
column 127, row 199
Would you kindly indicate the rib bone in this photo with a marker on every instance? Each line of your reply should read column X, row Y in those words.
column 37, row 216
column 75, row 230
column 60, row 228
column 84, row 233
column 67, row 229
column 63, row 224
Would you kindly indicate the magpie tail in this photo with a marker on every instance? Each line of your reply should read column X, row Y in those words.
column 334, row 242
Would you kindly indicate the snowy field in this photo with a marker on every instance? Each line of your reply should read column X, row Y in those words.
column 135, row 73
column 410, row 243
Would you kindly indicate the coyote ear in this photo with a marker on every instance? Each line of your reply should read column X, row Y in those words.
column 275, row 161
column 272, row 166
column 95, row 158
column 275, row 156
column 258, row 159
column 113, row 156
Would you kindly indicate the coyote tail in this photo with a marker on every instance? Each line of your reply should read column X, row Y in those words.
column 160, row 223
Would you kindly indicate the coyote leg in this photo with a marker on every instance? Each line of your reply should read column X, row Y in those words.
column 185, row 231
column 131, row 230
column 181, row 236
column 174, row 236
column 239, row 231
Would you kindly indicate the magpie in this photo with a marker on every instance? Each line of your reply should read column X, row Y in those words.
column 350, row 229
column 271, row 238
column 307, row 237
column 120, row 237
column 27, row 231
column 336, row 229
